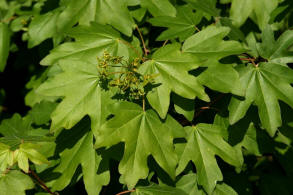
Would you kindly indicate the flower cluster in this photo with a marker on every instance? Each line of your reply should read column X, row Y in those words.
column 116, row 72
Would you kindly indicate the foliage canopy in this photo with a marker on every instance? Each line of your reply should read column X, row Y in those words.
column 146, row 97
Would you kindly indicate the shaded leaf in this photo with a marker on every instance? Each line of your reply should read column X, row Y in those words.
column 41, row 112
column 15, row 182
column 159, row 7
column 81, row 153
column 171, row 68
column 203, row 143
column 143, row 134
column 17, row 131
column 182, row 26
column 158, row 190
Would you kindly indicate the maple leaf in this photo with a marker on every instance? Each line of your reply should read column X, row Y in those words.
column 260, row 11
column 91, row 42
column 15, row 182
column 6, row 157
column 159, row 7
column 204, row 141
column 266, row 82
column 143, row 134
column 182, row 26
column 24, row 141
column 16, row 131
column 188, row 183
column 209, row 43
column 207, row 6
column 79, row 85
column 80, row 152
column 115, row 13
column 158, row 190
column 56, row 22
column 170, row 67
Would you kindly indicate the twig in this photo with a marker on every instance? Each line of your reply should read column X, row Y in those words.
column 42, row 184
column 125, row 192
column 208, row 106
column 165, row 43
column 146, row 51
column 143, row 103
column 197, row 28
column 9, row 19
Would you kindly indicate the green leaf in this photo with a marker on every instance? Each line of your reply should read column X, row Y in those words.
column 182, row 26
column 170, row 67
column 224, row 189
column 4, row 45
column 41, row 112
column 259, row 11
column 91, row 42
column 158, row 190
column 138, row 129
column 79, row 85
column 207, row 6
column 265, row 85
column 15, row 182
column 246, row 129
column 81, row 153
column 159, row 7
column 204, row 141
column 188, row 183
column 115, row 13
column 184, row 106
column 6, row 157
column 221, row 77
column 42, row 27
column 26, row 152
column 209, row 43
column 276, row 51
column 32, row 97
column 17, row 130
column 56, row 22
column 71, row 14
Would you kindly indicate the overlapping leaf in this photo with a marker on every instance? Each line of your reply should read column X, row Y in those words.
column 266, row 82
column 81, row 153
column 170, row 67
column 56, row 22
column 17, row 131
column 15, row 182
column 203, row 143
column 207, row 6
column 91, row 42
column 28, row 152
column 259, row 11
column 210, row 46
column 143, row 134
column 41, row 113
column 115, row 13
column 188, row 183
column 182, row 26
column 79, row 85
column 209, row 43
column 158, row 190
column 6, row 157
column 159, row 7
